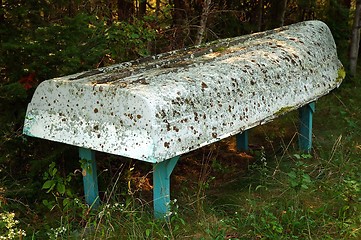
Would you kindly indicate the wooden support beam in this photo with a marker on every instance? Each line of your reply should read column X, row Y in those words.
column 242, row 141
column 161, row 186
column 90, row 177
column 305, row 129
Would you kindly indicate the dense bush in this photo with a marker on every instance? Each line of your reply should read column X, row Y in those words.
column 38, row 43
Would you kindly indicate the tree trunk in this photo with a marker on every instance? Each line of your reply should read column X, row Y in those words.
column 278, row 10
column 204, row 17
column 179, row 12
column 306, row 9
column 347, row 3
column 260, row 15
column 283, row 7
column 157, row 7
column 70, row 9
column 2, row 16
column 355, row 38
column 125, row 9
column 142, row 8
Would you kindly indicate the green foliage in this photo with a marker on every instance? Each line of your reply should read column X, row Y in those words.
column 268, row 224
column 12, row 113
column 64, row 199
column 65, row 202
column 37, row 44
column 55, row 183
column 13, row 97
column 298, row 177
column 12, row 94
column 30, row 53
column 260, row 167
column 58, row 49
column 86, row 165
column 73, row 44
column 129, row 40
column 336, row 16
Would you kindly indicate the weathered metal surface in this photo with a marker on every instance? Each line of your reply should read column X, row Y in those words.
column 160, row 107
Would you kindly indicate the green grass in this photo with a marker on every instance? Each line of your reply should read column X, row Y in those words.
column 277, row 193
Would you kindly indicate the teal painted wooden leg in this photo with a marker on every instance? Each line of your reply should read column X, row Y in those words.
column 305, row 131
column 242, row 141
column 90, row 177
column 161, row 185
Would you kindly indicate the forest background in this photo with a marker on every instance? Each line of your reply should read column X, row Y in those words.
column 272, row 192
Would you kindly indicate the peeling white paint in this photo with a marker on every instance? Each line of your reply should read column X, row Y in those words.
column 165, row 105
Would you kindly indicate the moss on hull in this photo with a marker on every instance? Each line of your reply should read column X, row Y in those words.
column 284, row 110
column 341, row 75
